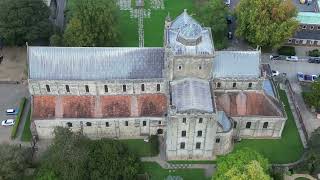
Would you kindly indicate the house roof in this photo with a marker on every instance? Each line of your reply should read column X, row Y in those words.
column 94, row 63
column 236, row 64
column 192, row 94
column 309, row 17
column 314, row 35
column 186, row 36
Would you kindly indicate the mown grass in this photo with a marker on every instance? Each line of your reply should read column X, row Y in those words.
column 26, row 134
column 18, row 117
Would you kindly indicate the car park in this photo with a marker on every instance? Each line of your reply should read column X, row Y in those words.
column 292, row 58
column 274, row 57
column 12, row 111
column 8, row 122
column 275, row 73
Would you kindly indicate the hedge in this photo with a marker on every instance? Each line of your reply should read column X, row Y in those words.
column 17, row 121
column 154, row 145
column 26, row 134
column 314, row 53
column 287, row 51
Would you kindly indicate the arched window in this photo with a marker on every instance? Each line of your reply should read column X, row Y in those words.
column 248, row 125
column 265, row 125
column 219, row 85
column 48, row 88
column 235, row 124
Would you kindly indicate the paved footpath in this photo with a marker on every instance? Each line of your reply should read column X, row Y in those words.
column 209, row 168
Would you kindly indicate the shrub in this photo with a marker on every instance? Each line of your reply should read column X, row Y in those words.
column 314, row 53
column 287, row 51
column 17, row 121
column 154, row 145
column 26, row 134
column 56, row 40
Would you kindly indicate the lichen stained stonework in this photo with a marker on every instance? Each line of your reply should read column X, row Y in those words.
column 152, row 105
column 78, row 106
column 43, row 107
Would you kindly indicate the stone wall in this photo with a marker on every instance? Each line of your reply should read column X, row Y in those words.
column 241, row 84
column 223, row 142
column 114, row 87
column 191, row 126
column 186, row 66
column 103, row 128
column 272, row 130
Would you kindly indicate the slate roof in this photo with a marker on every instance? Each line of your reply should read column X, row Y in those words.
column 192, row 94
column 314, row 35
column 185, row 27
column 236, row 64
column 94, row 63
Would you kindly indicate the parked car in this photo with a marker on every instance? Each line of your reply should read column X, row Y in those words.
column 274, row 57
column 306, row 77
column 12, row 111
column 230, row 35
column 275, row 73
column 314, row 60
column 8, row 122
column 227, row 2
column 229, row 19
column 292, row 58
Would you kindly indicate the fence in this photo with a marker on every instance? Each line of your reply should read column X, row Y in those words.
column 297, row 109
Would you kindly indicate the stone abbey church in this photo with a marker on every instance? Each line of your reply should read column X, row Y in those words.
column 198, row 99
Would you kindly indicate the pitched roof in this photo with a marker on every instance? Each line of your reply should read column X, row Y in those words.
column 185, row 36
column 192, row 94
column 236, row 64
column 224, row 121
column 94, row 63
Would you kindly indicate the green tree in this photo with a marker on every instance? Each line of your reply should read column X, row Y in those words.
column 213, row 14
column 109, row 159
column 313, row 97
column 267, row 23
column 72, row 156
column 93, row 23
column 14, row 160
column 24, row 21
column 243, row 164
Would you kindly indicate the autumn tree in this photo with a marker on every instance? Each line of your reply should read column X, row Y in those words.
column 93, row 23
column 24, row 21
column 213, row 14
column 266, row 23
column 243, row 164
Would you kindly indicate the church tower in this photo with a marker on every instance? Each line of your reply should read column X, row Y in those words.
column 189, row 48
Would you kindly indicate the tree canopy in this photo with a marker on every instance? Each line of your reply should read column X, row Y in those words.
column 213, row 14
column 93, row 23
column 14, row 160
column 266, row 23
column 313, row 97
column 72, row 156
column 24, row 21
column 243, row 164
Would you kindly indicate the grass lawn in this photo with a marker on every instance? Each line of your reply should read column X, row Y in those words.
column 26, row 134
column 157, row 173
column 138, row 146
column 285, row 150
